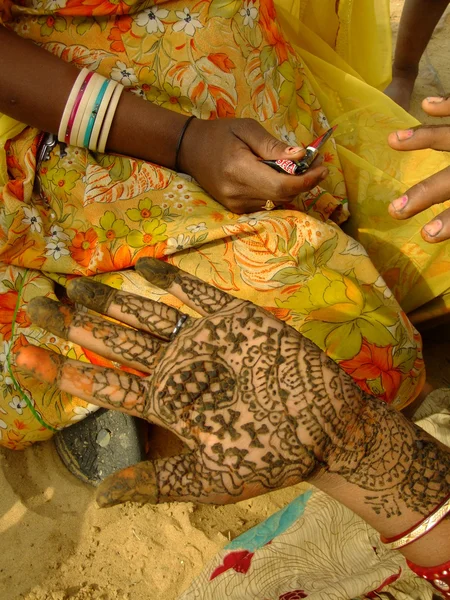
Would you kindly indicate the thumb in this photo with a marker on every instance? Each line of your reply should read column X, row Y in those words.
column 265, row 145
column 179, row 478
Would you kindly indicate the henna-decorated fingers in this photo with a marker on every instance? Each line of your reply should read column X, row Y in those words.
column 194, row 292
column 115, row 342
column 181, row 478
column 139, row 312
column 104, row 387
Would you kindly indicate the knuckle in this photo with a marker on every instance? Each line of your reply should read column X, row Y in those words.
column 420, row 191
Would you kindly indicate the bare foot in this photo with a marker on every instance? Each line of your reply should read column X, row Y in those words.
column 401, row 87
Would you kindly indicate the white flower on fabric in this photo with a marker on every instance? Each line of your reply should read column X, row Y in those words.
column 287, row 136
column 250, row 13
column 188, row 22
column 18, row 404
column 4, row 363
column 2, row 426
column 197, row 228
column 56, row 250
column 323, row 121
column 150, row 18
column 52, row 5
column 125, row 75
column 5, row 379
column 83, row 411
column 179, row 243
column 251, row 220
column 57, row 233
column 138, row 91
column 32, row 218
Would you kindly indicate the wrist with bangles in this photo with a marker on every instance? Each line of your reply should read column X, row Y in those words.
column 89, row 112
column 438, row 576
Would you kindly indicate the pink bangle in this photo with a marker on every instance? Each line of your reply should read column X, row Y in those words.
column 76, row 104
column 439, row 576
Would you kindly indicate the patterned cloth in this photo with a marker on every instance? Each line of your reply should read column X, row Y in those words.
column 316, row 548
column 97, row 214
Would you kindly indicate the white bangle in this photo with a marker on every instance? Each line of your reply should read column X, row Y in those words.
column 69, row 104
column 81, row 108
column 106, row 127
column 101, row 115
column 86, row 106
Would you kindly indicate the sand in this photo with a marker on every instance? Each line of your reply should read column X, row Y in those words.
column 55, row 544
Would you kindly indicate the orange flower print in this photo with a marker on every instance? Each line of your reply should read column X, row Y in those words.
column 117, row 261
column 94, row 8
column 222, row 61
column 373, row 367
column 8, row 303
column 272, row 32
column 122, row 24
column 83, row 246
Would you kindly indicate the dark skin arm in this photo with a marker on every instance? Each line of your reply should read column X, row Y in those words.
column 140, row 129
column 258, row 406
column 418, row 21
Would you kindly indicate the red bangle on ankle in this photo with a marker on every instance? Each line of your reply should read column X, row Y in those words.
column 439, row 577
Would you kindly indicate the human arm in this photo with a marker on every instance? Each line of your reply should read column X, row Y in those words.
column 257, row 405
column 418, row 21
column 222, row 155
column 435, row 190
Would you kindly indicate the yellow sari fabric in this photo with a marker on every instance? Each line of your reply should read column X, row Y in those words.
column 357, row 30
column 97, row 214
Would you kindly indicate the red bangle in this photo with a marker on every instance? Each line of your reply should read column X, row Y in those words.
column 76, row 104
column 406, row 533
column 439, row 577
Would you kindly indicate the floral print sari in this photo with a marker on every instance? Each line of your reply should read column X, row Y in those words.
column 85, row 213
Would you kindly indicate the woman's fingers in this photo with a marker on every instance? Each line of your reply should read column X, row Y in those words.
column 139, row 312
column 438, row 229
column 105, row 387
column 115, row 342
column 436, row 137
column 197, row 294
column 437, row 106
column 434, row 190
column 182, row 478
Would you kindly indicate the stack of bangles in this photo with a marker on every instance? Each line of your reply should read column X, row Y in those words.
column 438, row 576
column 89, row 111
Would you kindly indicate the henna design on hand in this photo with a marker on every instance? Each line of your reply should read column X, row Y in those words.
column 258, row 405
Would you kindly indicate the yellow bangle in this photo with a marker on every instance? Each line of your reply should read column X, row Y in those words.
column 86, row 105
column 101, row 115
column 106, row 127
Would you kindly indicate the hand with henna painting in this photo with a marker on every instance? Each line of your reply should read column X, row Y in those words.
column 258, row 406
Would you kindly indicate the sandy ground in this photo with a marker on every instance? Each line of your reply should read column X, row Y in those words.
column 56, row 545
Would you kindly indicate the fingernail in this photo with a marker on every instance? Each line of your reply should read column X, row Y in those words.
column 400, row 203
column 161, row 274
column 293, row 149
column 324, row 174
column 404, row 134
column 433, row 228
column 92, row 294
column 435, row 99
